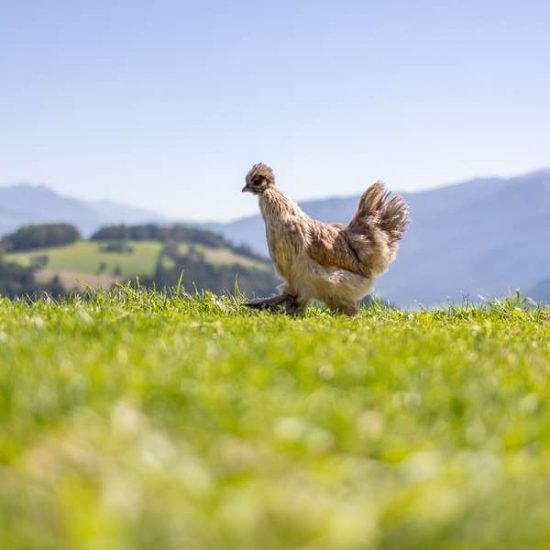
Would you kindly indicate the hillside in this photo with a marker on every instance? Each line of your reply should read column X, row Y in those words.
column 485, row 236
column 85, row 263
column 157, row 255
column 151, row 420
column 25, row 204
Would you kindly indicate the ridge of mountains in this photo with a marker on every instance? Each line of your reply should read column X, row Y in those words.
column 25, row 203
column 483, row 237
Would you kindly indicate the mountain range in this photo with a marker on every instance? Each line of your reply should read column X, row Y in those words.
column 24, row 204
column 484, row 237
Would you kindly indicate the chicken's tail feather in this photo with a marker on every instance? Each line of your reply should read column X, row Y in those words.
column 395, row 217
column 380, row 209
column 377, row 226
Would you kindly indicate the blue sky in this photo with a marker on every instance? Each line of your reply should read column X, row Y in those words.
column 166, row 104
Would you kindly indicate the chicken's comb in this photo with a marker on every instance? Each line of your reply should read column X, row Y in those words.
column 261, row 170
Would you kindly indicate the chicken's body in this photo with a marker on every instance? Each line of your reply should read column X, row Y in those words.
column 332, row 263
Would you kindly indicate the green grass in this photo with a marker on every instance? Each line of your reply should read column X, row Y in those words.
column 143, row 420
column 86, row 256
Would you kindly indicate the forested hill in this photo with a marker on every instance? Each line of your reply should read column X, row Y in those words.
column 55, row 258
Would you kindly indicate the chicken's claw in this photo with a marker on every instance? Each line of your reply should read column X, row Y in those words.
column 283, row 302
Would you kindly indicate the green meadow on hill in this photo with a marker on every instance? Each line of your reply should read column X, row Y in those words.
column 135, row 419
column 88, row 256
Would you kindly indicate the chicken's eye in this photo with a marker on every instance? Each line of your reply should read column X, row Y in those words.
column 257, row 182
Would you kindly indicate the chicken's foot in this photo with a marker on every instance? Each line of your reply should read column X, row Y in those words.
column 281, row 302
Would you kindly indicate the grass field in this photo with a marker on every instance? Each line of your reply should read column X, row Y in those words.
column 142, row 420
column 224, row 256
column 86, row 257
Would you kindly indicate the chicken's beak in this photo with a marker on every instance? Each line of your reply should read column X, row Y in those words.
column 246, row 189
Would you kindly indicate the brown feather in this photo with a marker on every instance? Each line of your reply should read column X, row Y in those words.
column 261, row 170
column 329, row 244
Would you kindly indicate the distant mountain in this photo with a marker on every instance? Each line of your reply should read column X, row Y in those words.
column 482, row 237
column 109, row 212
column 541, row 291
column 25, row 204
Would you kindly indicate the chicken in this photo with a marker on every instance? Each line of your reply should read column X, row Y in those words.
column 331, row 263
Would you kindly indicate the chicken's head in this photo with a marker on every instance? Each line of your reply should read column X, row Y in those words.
column 259, row 178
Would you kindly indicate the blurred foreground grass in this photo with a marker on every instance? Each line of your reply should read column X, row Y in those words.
column 141, row 420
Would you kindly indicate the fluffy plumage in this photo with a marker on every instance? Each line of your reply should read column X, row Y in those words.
column 332, row 263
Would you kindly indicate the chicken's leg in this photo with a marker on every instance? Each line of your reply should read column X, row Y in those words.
column 297, row 307
column 343, row 306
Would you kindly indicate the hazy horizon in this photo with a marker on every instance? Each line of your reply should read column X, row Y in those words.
column 254, row 211
column 166, row 106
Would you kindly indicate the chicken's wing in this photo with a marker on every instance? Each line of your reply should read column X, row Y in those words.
column 329, row 246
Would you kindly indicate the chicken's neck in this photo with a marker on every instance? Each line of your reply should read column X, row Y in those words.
column 274, row 205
